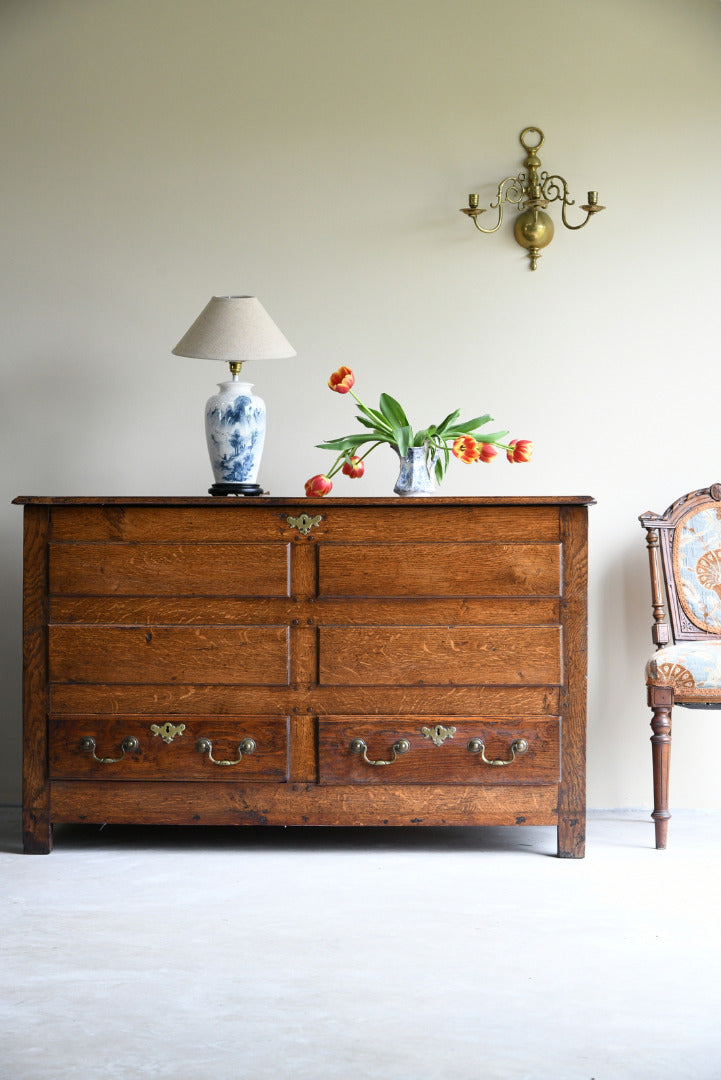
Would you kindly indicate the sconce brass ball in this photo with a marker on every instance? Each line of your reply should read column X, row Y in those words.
column 533, row 230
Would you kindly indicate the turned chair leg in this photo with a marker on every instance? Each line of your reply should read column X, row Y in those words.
column 661, row 755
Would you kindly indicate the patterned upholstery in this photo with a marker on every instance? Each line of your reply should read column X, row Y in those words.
column 697, row 567
column 692, row 668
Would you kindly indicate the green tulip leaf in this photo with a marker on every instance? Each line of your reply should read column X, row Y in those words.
column 494, row 437
column 372, row 425
column 471, row 425
column 448, row 421
column 442, row 463
column 393, row 412
column 404, row 436
column 378, row 418
column 347, row 442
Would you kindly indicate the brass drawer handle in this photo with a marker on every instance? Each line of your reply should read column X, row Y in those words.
column 129, row 745
column 358, row 746
column 205, row 746
column 477, row 746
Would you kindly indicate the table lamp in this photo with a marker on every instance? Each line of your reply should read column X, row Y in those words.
column 235, row 329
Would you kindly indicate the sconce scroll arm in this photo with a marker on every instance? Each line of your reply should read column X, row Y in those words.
column 510, row 190
column 556, row 188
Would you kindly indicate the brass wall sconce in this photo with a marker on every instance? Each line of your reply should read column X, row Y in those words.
column 531, row 192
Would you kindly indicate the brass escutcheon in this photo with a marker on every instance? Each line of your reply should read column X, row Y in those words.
column 438, row 734
column 167, row 731
column 304, row 523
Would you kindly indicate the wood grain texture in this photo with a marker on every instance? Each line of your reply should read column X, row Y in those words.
column 511, row 519
column 446, row 569
column 660, row 699
column 37, row 830
column 238, row 655
column 364, row 611
column 169, row 569
column 572, row 793
column 303, row 757
column 202, row 521
column 391, row 503
column 155, row 699
column 388, row 616
column 423, row 655
column 301, row 804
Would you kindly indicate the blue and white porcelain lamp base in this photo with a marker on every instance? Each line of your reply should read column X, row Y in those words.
column 235, row 432
column 235, row 329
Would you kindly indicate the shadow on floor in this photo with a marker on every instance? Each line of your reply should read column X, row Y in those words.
column 532, row 840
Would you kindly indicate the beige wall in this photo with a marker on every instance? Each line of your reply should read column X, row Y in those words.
column 315, row 153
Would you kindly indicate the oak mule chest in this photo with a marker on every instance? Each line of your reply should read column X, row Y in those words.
column 305, row 662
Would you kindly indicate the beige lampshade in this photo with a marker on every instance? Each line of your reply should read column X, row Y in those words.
column 234, row 328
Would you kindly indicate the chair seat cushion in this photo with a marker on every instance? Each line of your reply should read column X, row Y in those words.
column 692, row 668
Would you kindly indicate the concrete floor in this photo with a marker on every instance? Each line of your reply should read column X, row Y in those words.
column 466, row 954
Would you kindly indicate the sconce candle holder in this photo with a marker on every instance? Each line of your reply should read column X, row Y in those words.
column 531, row 192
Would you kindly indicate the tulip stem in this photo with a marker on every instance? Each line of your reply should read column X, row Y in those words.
column 378, row 418
column 379, row 443
column 346, row 457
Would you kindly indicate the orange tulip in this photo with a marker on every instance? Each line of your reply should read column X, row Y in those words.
column 466, row 449
column 318, row 486
column 522, row 449
column 354, row 468
column 341, row 380
column 488, row 452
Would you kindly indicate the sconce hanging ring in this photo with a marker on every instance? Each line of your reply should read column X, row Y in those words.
column 539, row 144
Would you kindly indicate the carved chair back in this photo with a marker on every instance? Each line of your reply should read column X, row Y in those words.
column 684, row 546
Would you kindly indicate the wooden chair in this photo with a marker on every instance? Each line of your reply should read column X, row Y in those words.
column 684, row 548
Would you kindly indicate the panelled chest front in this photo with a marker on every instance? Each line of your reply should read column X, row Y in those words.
column 305, row 662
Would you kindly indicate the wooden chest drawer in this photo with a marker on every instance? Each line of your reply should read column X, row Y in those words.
column 439, row 655
column 169, row 748
column 250, row 655
column 450, row 750
column 440, row 569
column 169, row 569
